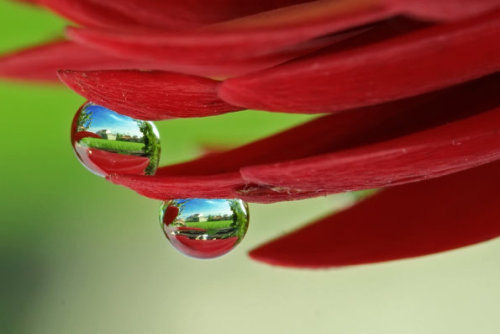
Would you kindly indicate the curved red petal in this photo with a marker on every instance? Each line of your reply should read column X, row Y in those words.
column 405, row 66
column 397, row 223
column 356, row 132
column 165, row 14
column 109, row 162
column 203, row 249
column 356, row 128
column 41, row 62
column 235, row 67
column 171, row 187
column 423, row 155
column 218, row 45
column 443, row 10
column 84, row 134
column 149, row 94
column 155, row 95
column 178, row 15
column 224, row 185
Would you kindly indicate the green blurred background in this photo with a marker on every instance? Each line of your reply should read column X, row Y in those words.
column 80, row 255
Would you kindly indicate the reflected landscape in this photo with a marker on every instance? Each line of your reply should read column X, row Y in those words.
column 204, row 228
column 106, row 142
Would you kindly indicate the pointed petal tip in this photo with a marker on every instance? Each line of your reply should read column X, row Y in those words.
column 260, row 255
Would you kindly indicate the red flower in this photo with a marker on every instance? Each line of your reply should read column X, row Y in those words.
column 410, row 88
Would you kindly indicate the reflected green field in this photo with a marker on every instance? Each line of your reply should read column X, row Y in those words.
column 113, row 146
column 210, row 225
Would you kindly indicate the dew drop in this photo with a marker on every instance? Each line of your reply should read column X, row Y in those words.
column 107, row 142
column 204, row 228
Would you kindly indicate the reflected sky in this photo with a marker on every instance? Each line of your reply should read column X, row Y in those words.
column 105, row 119
column 206, row 207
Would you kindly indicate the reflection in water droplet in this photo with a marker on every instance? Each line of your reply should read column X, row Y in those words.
column 107, row 142
column 204, row 228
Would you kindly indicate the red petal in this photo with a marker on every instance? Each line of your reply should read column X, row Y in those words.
column 169, row 14
column 225, row 185
column 352, row 129
column 401, row 67
column 230, row 43
column 105, row 163
column 427, row 154
column 165, row 187
column 390, row 125
column 170, row 214
column 41, row 62
column 203, row 249
column 444, row 10
column 235, row 67
column 149, row 95
column 401, row 222
column 177, row 15
column 154, row 95
column 84, row 134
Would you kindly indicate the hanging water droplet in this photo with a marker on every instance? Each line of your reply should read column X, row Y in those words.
column 204, row 228
column 106, row 142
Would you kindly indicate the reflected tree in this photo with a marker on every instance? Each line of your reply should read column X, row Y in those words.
column 85, row 119
column 240, row 217
column 151, row 145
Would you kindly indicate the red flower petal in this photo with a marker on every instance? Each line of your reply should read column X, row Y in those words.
column 401, row 222
column 169, row 14
column 427, row 154
column 203, row 249
column 177, row 15
column 443, row 10
column 404, row 66
column 353, row 137
column 106, row 163
column 41, row 62
column 152, row 95
column 235, row 67
column 236, row 42
column 149, row 95
column 84, row 134
column 225, row 185
column 353, row 129
column 170, row 214
column 166, row 187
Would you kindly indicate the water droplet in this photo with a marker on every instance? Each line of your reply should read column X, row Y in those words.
column 204, row 228
column 106, row 142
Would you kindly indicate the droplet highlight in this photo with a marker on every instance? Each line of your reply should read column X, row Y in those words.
column 204, row 228
column 107, row 142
